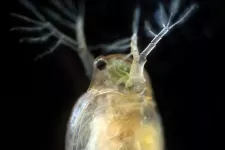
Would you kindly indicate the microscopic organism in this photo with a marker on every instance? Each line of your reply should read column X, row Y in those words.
column 118, row 111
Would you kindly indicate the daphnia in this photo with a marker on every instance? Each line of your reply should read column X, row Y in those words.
column 118, row 111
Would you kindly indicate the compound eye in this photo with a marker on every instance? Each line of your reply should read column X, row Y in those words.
column 100, row 64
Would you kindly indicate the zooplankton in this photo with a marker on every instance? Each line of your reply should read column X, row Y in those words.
column 118, row 111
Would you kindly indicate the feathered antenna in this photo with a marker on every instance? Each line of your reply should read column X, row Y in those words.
column 71, row 23
column 165, row 23
column 137, row 69
column 43, row 24
column 71, row 18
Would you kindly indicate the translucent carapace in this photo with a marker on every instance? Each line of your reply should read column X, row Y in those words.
column 118, row 111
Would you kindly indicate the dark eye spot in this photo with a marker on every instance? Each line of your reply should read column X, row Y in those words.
column 101, row 64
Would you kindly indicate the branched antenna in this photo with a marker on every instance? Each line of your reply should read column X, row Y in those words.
column 69, row 17
column 165, row 22
column 42, row 24
column 71, row 20
column 137, row 68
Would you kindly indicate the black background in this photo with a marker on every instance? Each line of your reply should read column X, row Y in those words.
column 186, row 69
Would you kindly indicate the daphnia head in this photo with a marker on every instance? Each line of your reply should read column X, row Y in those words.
column 110, row 71
column 114, row 71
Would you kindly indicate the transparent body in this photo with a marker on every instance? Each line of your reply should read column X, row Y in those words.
column 111, row 117
column 118, row 111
